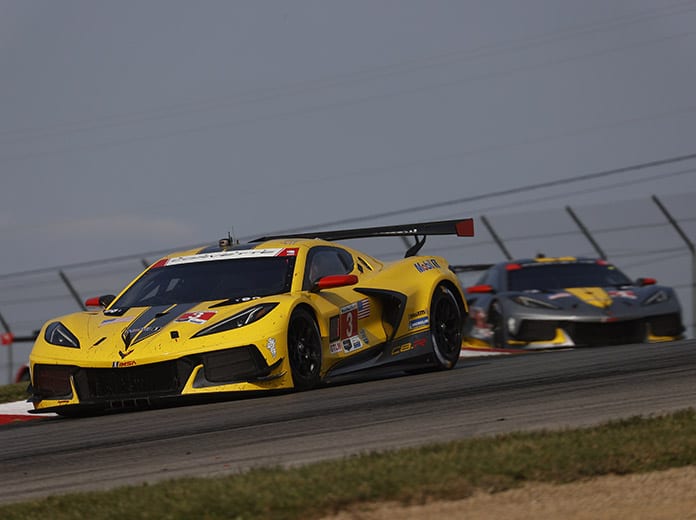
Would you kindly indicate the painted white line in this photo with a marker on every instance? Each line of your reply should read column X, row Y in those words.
column 481, row 353
column 16, row 408
column 20, row 408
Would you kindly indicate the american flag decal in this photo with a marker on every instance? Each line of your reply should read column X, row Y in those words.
column 363, row 308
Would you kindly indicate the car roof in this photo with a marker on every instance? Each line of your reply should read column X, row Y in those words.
column 268, row 248
column 541, row 260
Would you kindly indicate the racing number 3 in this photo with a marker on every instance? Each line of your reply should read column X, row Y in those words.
column 349, row 321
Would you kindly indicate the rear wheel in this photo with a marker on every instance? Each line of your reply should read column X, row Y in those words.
column 446, row 322
column 304, row 350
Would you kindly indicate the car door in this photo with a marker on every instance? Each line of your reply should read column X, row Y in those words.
column 352, row 320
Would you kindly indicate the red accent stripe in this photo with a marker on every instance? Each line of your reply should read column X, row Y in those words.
column 159, row 263
column 5, row 419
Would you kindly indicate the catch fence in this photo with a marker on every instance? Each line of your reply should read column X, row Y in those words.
column 650, row 237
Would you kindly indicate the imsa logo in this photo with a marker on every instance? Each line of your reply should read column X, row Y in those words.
column 123, row 364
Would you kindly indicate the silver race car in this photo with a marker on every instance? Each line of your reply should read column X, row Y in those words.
column 562, row 302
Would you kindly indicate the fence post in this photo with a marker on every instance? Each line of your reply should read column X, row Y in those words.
column 72, row 290
column 586, row 232
column 496, row 237
column 691, row 247
column 10, row 361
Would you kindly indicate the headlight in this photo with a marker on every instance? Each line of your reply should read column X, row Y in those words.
column 239, row 320
column 532, row 302
column 658, row 297
column 57, row 334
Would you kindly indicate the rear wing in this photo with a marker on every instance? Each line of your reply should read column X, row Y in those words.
column 470, row 268
column 459, row 227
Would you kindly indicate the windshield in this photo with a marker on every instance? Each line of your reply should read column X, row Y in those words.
column 561, row 276
column 208, row 281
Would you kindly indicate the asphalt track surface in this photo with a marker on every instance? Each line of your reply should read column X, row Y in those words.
column 481, row 396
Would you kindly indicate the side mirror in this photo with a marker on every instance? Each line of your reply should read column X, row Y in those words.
column 480, row 289
column 100, row 301
column 335, row 280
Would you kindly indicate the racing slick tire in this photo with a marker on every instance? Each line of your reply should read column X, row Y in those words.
column 304, row 350
column 446, row 323
column 495, row 318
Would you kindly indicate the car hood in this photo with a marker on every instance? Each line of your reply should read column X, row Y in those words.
column 600, row 297
column 148, row 333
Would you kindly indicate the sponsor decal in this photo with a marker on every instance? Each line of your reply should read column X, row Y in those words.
column 426, row 265
column 363, row 336
column 114, row 320
column 343, row 329
column 199, row 317
column 363, row 308
column 416, row 314
column 133, row 332
column 231, row 255
column 133, row 335
column 153, row 320
column 335, row 347
column 123, row 364
column 349, row 308
column 401, row 349
column 348, row 321
column 418, row 322
column 406, row 347
column 351, row 344
column 271, row 346
column 623, row 294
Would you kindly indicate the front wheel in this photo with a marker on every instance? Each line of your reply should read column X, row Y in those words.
column 446, row 323
column 304, row 350
column 495, row 318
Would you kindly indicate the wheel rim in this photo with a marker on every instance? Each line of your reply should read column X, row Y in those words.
column 304, row 348
column 447, row 327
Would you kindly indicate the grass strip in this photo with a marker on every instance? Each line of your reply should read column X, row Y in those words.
column 14, row 392
column 412, row 476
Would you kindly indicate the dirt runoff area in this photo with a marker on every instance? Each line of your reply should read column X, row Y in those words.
column 668, row 495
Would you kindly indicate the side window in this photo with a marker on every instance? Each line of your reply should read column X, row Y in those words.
column 324, row 261
column 489, row 277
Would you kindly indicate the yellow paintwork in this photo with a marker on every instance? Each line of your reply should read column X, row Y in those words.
column 101, row 344
column 555, row 259
column 592, row 296
column 559, row 340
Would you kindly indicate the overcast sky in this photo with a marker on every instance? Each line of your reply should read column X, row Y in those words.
column 132, row 126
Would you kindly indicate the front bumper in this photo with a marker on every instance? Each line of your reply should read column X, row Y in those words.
column 550, row 332
column 56, row 387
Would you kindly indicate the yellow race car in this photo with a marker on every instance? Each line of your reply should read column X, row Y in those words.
column 282, row 312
